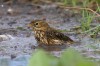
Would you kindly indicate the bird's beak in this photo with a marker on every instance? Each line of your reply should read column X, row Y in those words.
column 29, row 25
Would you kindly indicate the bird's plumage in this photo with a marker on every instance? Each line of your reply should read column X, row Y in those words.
column 47, row 35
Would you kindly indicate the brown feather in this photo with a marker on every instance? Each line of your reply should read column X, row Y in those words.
column 46, row 35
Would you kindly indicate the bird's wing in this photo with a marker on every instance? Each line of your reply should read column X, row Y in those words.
column 54, row 34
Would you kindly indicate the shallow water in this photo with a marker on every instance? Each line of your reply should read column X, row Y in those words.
column 18, row 61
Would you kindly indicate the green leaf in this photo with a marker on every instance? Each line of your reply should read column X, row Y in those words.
column 41, row 58
column 72, row 58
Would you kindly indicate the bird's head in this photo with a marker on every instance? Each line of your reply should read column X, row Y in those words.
column 38, row 25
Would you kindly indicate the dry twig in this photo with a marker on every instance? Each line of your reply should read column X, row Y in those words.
column 88, row 9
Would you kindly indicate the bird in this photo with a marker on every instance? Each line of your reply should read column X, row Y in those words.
column 48, row 36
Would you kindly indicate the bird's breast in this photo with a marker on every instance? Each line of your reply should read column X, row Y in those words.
column 41, row 37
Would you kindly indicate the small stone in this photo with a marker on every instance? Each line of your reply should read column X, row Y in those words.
column 13, row 56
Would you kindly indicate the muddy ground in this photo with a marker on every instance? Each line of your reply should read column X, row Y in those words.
column 17, row 41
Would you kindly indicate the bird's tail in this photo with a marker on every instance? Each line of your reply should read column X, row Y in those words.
column 70, row 41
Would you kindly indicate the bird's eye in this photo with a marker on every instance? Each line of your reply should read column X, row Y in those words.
column 36, row 23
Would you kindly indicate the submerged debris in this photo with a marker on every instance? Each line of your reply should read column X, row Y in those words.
column 6, row 37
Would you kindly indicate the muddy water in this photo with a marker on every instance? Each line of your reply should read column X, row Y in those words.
column 17, row 42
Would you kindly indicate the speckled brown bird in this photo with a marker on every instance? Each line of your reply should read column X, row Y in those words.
column 46, row 35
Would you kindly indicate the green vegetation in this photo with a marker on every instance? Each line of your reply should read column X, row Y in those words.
column 41, row 58
column 86, row 21
column 89, row 10
column 69, row 58
column 20, row 28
